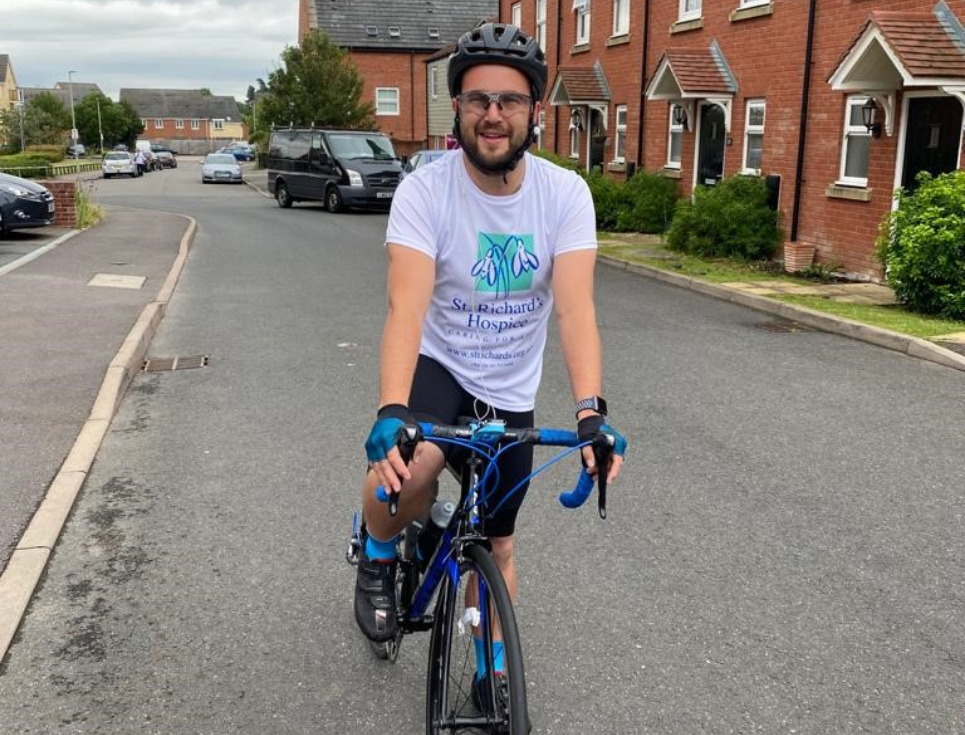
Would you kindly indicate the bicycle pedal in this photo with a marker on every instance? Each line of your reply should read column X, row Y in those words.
column 352, row 552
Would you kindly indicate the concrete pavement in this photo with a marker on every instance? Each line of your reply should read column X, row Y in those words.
column 75, row 325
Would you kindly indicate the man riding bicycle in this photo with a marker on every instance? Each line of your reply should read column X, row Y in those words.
column 481, row 245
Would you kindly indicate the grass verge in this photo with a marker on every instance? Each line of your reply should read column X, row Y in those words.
column 894, row 317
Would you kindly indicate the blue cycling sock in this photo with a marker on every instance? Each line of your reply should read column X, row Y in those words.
column 481, row 657
column 380, row 550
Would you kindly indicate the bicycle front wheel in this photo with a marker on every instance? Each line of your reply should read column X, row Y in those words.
column 475, row 677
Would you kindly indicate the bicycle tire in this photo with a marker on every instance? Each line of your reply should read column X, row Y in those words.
column 452, row 668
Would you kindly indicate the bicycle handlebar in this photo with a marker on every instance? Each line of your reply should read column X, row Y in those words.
column 494, row 434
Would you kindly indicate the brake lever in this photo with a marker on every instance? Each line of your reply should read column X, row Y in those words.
column 409, row 436
column 603, row 454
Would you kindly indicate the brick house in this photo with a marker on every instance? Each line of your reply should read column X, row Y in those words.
column 8, row 84
column 188, row 120
column 698, row 90
column 389, row 44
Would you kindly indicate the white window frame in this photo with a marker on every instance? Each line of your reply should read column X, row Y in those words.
column 179, row 123
column 574, row 142
column 857, row 130
column 218, row 123
column 540, row 128
column 384, row 103
column 690, row 9
column 541, row 23
column 583, row 25
column 158, row 124
column 516, row 15
column 434, row 82
column 750, row 130
column 621, row 17
column 620, row 139
column 675, row 129
column 753, row 3
column 195, row 124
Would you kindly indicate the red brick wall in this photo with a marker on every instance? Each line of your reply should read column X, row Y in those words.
column 65, row 201
column 407, row 72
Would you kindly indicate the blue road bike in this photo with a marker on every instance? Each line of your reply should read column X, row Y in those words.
column 448, row 583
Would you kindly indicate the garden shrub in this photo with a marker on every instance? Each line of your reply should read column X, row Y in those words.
column 51, row 153
column 922, row 246
column 649, row 200
column 564, row 161
column 607, row 200
column 729, row 220
column 28, row 167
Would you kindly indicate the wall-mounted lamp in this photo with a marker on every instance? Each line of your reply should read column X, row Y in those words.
column 868, row 110
column 680, row 116
column 576, row 119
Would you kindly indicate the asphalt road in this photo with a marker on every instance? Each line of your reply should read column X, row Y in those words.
column 783, row 552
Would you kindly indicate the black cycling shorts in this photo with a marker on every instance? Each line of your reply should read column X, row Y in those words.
column 437, row 398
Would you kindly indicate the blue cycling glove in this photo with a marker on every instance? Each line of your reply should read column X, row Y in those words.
column 385, row 431
column 589, row 426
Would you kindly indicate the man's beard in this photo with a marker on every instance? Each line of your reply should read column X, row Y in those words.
column 471, row 135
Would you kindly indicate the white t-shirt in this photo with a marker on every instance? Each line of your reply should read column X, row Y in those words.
column 494, row 255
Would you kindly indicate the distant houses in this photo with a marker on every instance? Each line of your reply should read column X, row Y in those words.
column 191, row 121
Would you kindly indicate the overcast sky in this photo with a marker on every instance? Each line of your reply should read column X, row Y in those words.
column 170, row 44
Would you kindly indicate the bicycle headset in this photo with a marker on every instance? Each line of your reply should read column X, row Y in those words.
column 505, row 44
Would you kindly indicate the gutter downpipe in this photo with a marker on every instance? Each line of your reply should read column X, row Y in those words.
column 556, row 116
column 643, row 83
column 802, row 128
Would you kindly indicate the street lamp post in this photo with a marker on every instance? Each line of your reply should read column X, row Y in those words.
column 73, row 119
column 100, row 129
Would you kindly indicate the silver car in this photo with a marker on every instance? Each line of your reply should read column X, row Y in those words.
column 117, row 163
column 220, row 168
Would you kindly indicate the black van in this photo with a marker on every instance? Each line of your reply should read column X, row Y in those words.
column 343, row 168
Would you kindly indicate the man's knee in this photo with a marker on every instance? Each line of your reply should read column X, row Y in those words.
column 503, row 549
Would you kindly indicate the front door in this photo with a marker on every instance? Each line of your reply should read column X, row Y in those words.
column 710, row 154
column 932, row 137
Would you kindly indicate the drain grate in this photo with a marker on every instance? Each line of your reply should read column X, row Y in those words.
column 784, row 327
column 162, row 364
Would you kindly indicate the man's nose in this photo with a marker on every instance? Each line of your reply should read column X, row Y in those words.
column 494, row 110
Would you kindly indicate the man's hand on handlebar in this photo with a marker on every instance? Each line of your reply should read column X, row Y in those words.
column 383, row 446
column 607, row 446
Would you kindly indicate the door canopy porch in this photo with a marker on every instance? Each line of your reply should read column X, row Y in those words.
column 900, row 50
column 686, row 75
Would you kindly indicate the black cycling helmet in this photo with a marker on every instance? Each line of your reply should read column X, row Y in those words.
column 499, row 43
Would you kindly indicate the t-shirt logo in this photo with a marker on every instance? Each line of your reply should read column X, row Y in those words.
column 506, row 263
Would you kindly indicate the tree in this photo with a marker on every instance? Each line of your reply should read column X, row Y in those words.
column 118, row 121
column 46, row 121
column 318, row 84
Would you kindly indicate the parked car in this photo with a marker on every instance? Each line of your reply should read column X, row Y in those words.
column 24, row 203
column 220, row 167
column 117, row 163
column 421, row 158
column 151, row 161
column 343, row 168
column 76, row 151
column 240, row 153
column 167, row 159
column 163, row 149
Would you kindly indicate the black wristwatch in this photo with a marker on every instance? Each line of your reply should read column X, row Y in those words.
column 594, row 403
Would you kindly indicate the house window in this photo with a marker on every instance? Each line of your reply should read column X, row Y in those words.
column 144, row 123
column 675, row 142
column 516, row 14
column 621, row 17
column 195, row 124
column 582, row 22
column 752, row 3
column 218, row 124
column 387, row 101
column 158, row 124
column 540, row 127
column 754, row 136
column 574, row 142
column 857, row 142
column 179, row 124
column 689, row 9
column 620, row 146
column 541, row 23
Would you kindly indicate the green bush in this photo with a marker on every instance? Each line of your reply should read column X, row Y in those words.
column 564, row 161
column 729, row 220
column 51, row 153
column 922, row 246
column 607, row 200
column 29, row 167
column 649, row 200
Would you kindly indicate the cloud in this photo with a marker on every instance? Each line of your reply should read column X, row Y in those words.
column 172, row 44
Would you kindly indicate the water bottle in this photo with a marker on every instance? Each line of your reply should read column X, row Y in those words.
column 436, row 523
